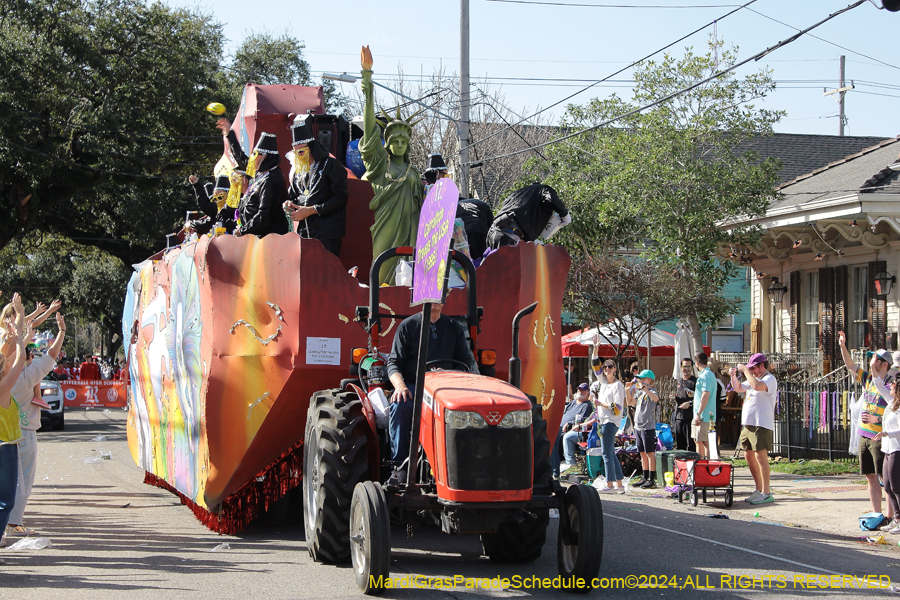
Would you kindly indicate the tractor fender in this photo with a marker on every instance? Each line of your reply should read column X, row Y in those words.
column 371, row 432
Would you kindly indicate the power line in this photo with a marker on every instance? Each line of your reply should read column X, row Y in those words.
column 616, row 5
column 677, row 93
column 699, row 29
column 826, row 41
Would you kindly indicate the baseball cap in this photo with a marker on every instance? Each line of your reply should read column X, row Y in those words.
column 583, row 387
column 757, row 359
column 647, row 373
column 882, row 354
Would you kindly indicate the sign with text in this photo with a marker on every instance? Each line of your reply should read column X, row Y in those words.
column 94, row 393
column 323, row 351
column 433, row 242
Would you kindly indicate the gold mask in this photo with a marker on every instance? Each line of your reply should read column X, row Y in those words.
column 251, row 165
column 300, row 159
column 219, row 198
column 233, row 200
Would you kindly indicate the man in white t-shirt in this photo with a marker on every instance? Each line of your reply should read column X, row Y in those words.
column 758, row 421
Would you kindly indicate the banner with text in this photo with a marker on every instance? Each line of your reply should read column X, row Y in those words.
column 433, row 242
column 94, row 393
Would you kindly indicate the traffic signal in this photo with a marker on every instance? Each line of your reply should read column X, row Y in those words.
column 891, row 5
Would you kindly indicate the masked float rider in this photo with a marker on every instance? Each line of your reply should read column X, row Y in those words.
column 260, row 211
column 318, row 190
column 217, row 204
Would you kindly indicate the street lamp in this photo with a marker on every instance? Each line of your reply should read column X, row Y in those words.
column 776, row 291
column 342, row 77
column 883, row 283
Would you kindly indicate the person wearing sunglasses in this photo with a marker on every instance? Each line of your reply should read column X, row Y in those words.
column 758, row 422
column 684, row 406
column 876, row 397
column 448, row 343
column 609, row 401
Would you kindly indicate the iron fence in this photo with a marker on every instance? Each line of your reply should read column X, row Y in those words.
column 812, row 419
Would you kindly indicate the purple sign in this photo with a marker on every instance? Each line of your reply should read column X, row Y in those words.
column 433, row 242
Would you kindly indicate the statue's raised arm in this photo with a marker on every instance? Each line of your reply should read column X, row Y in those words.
column 397, row 185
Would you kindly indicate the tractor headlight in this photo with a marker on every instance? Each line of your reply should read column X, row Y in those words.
column 516, row 419
column 463, row 419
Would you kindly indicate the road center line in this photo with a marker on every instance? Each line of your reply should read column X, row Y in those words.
column 702, row 539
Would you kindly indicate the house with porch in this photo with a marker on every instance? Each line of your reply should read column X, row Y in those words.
column 828, row 259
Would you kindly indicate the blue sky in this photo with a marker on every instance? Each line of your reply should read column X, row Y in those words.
column 580, row 44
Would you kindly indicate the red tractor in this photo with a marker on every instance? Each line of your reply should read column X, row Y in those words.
column 480, row 449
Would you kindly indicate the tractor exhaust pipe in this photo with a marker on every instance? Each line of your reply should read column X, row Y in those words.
column 515, row 363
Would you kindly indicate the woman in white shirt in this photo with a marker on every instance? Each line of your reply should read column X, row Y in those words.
column 890, row 447
column 609, row 401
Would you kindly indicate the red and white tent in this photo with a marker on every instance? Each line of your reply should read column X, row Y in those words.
column 577, row 343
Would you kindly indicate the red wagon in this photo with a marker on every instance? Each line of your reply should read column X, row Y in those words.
column 703, row 475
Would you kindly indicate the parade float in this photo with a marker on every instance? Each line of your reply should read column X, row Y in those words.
column 228, row 338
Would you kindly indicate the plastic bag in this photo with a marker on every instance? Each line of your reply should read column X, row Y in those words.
column 856, row 409
column 380, row 406
column 403, row 274
column 32, row 543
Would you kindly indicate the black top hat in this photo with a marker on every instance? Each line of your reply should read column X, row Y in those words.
column 223, row 184
column 300, row 133
column 436, row 163
column 267, row 144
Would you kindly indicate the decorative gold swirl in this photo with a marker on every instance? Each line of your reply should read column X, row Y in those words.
column 544, row 392
column 391, row 310
column 256, row 403
column 264, row 341
column 548, row 323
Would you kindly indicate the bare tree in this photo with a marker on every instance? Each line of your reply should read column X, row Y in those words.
column 435, row 104
column 630, row 296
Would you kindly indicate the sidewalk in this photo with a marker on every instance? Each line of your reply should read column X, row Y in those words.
column 831, row 504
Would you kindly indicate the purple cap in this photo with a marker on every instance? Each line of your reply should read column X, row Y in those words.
column 583, row 387
column 757, row 359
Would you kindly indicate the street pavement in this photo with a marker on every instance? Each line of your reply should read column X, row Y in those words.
column 114, row 537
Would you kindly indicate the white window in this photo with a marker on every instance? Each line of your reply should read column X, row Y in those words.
column 859, row 308
column 810, row 335
column 726, row 323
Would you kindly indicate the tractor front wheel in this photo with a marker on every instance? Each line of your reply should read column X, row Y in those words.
column 334, row 461
column 579, row 552
column 370, row 537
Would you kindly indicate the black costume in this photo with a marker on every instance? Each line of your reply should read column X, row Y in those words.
column 323, row 187
column 209, row 207
column 476, row 216
column 260, row 210
column 684, row 416
column 525, row 214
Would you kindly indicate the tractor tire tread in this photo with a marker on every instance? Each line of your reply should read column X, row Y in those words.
column 340, row 440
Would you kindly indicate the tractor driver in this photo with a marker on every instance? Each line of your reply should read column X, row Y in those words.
column 448, row 342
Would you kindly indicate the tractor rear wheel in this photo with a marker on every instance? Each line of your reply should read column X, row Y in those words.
column 370, row 537
column 334, row 461
column 522, row 541
column 579, row 555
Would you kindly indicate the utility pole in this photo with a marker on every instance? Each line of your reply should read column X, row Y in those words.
column 841, row 92
column 464, row 98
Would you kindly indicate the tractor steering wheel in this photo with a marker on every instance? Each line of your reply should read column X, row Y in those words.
column 459, row 363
